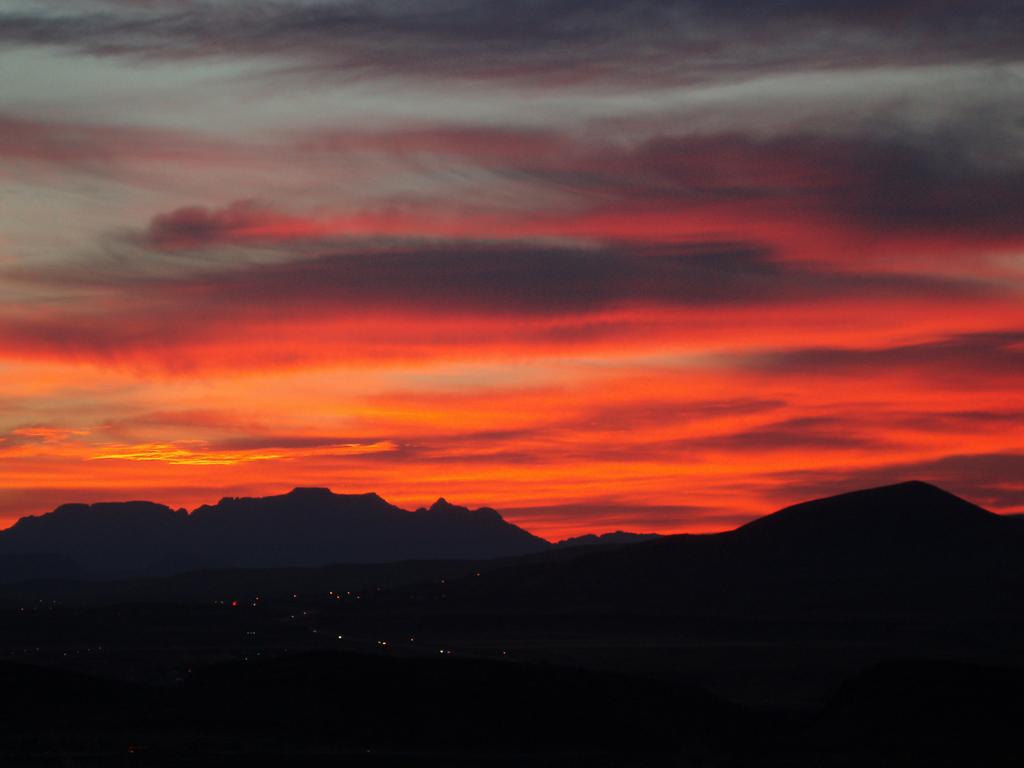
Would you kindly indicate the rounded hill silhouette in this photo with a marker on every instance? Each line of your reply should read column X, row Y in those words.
column 899, row 549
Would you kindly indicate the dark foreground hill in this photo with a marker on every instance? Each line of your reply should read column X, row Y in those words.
column 307, row 527
column 383, row 710
column 776, row 613
column 907, row 549
column 371, row 708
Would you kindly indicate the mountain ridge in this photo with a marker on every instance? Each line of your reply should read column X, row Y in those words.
column 304, row 527
column 894, row 550
column 898, row 533
column 612, row 537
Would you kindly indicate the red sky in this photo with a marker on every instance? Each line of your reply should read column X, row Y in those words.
column 609, row 266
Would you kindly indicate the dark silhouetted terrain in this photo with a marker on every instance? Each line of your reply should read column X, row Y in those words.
column 378, row 709
column 307, row 527
column 881, row 627
column 615, row 537
column 908, row 549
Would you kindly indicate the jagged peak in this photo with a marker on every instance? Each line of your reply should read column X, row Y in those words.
column 444, row 507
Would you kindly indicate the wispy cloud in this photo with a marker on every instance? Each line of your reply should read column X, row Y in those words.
column 633, row 264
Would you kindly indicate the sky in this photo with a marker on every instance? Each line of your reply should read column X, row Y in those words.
column 660, row 266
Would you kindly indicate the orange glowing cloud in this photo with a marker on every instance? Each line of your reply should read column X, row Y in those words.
column 665, row 294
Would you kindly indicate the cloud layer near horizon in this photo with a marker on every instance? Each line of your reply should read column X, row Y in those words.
column 687, row 260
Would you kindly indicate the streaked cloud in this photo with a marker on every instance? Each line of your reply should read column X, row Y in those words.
column 655, row 265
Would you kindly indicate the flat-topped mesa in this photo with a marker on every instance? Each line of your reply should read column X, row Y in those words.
column 310, row 492
column 110, row 509
column 301, row 499
column 316, row 493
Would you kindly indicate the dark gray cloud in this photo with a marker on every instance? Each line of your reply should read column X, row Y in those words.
column 197, row 226
column 960, row 359
column 930, row 185
column 539, row 279
column 889, row 181
column 964, row 176
column 471, row 279
column 524, row 38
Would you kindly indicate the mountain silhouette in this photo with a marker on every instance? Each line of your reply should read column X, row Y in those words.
column 879, row 627
column 614, row 537
column 906, row 548
column 306, row 527
column 123, row 537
